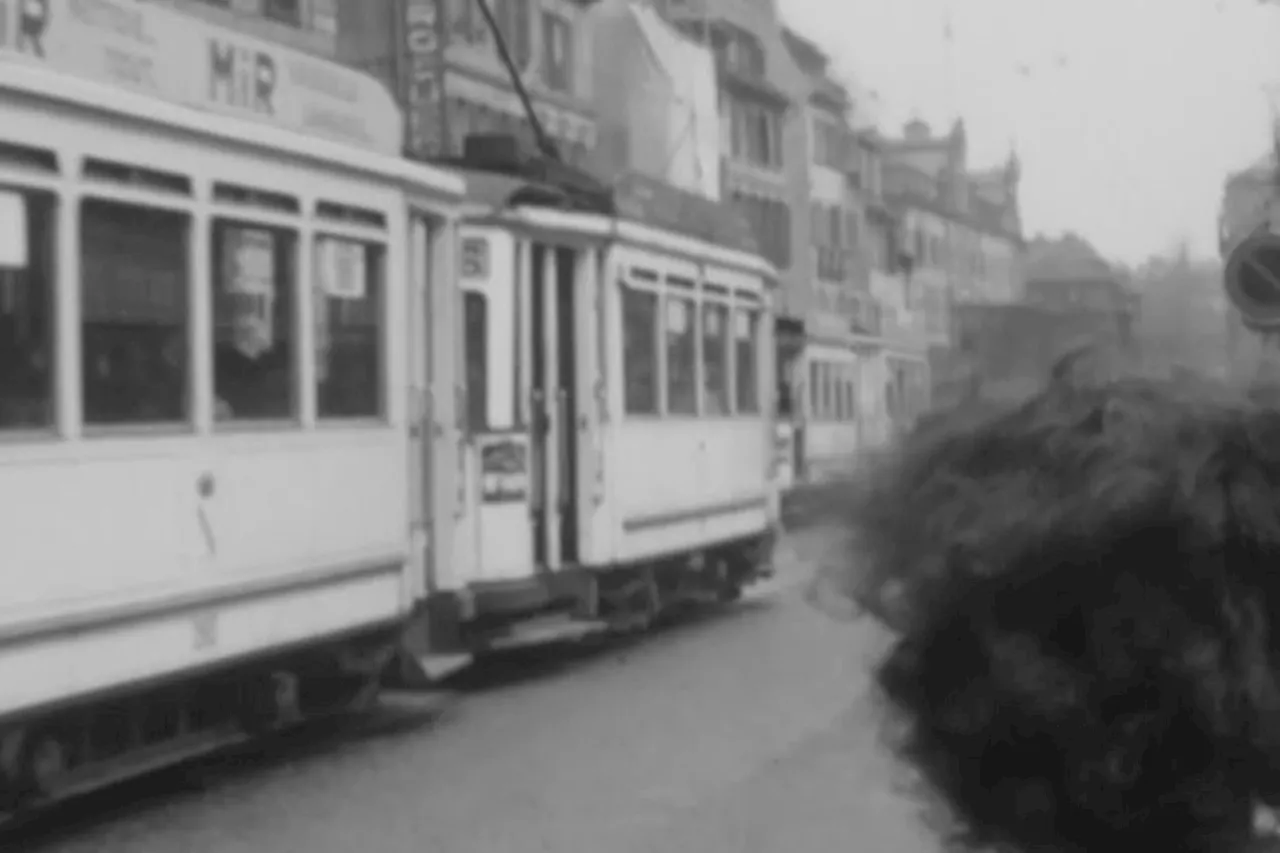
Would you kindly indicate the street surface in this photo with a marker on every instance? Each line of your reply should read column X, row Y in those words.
column 748, row 731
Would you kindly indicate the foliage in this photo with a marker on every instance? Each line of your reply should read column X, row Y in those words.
column 1081, row 586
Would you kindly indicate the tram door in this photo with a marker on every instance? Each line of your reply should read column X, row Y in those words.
column 555, row 409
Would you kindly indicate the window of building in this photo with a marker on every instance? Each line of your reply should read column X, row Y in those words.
column 254, row 308
column 756, row 135
column 348, row 309
column 715, row 358
column 475, row 309
column 285, row 11
column 681, row 338
column 134, row 292
column 827, row 233
column 26, row 315
column 557, row 52
column 746, row 355
column 830, row 143
column 738, row 51
column 640, row 351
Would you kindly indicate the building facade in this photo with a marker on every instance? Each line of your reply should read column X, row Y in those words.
column 903, row 390
column 969, row 226
column 442, row 60
column 310, row 25
column 764, row 163
column 842, row 366
column 656, row 101
column 962, row 231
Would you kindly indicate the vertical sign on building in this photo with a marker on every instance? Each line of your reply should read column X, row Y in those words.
column 425, row 37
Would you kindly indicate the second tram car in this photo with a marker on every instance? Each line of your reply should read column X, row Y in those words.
column 620, row 454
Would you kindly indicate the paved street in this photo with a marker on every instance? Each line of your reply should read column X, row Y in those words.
column 743, row 732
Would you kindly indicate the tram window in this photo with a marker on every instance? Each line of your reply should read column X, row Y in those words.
column 348, row 328
column 134, row 282
column 715, row 357
column 640, row 350
column 255, row 286
column 682, row 356
column 476, row 322
column 747, row 355
column 27, row 247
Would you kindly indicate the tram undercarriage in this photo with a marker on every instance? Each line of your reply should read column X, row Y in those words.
column 580, row 602
column 51, row 754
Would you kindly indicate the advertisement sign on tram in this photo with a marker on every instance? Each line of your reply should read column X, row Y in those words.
column 164, row 54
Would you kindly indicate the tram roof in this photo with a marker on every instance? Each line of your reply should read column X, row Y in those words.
column 168, row 56
column 715, row 240
column 93, row 97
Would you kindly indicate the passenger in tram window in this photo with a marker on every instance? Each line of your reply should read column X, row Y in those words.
column 255, row 283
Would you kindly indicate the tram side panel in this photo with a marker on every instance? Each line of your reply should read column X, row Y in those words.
column 151, row 551
column 690, row 459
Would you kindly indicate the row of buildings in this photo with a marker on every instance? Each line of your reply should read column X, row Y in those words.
column 877, row 236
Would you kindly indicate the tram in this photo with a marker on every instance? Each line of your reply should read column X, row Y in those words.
column 229, row 461
column 288, row 421
column 620, row 437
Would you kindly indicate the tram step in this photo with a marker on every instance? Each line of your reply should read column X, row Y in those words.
column 554, row 628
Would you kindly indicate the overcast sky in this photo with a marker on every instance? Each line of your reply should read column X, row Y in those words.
column 1127, row 114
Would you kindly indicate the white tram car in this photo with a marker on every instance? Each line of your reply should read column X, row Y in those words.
column 284, row 421
column 227, row 431
column 620, row 432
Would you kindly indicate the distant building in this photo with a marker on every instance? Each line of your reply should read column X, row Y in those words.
column 964, row 227
column 903, row 337
column 842, row 310
column 1067, row 273
column 310, row 25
